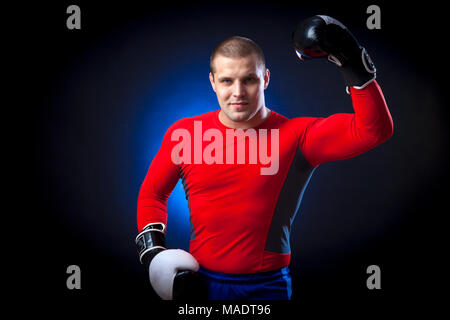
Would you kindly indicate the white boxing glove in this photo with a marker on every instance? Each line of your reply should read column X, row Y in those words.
column 164, row 267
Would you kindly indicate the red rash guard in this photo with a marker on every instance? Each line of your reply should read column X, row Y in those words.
column 240, row 218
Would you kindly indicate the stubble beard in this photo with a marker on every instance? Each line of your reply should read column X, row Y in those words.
column 245, row 115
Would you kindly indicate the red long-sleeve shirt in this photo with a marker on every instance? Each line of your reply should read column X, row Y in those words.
column 241, row 218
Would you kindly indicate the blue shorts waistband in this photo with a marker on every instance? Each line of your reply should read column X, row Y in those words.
column 263, row 276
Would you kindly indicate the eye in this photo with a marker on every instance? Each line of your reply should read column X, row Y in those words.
column 250, row 80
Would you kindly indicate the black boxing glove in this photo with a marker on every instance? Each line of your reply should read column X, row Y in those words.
column 323, row 36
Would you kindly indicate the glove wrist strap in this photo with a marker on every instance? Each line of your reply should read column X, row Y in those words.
column 150, row 241
column 360, row 71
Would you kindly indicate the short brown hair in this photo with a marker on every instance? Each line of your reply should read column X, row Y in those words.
column 236, row 47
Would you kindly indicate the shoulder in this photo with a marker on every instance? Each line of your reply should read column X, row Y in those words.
column 297, row 124
column 188, row 122
column 303, row 122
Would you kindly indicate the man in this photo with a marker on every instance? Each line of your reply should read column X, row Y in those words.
column 242, row 204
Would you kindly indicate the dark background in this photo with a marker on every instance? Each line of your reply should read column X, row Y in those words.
column 95, row 103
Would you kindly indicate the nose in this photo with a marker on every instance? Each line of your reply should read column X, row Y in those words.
column 239, row 89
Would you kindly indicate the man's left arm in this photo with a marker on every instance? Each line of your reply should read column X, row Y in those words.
column 343, row 135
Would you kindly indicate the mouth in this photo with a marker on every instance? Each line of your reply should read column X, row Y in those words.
column 239, row 104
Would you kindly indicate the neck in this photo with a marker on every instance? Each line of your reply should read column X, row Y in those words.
column 254, row 121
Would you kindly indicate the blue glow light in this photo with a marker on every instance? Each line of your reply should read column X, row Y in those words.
column 183, row 91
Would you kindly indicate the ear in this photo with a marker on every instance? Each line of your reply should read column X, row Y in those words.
column 211, row 79
column 266, row 79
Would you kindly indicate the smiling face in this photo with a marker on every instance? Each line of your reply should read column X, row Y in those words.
column 239, row 84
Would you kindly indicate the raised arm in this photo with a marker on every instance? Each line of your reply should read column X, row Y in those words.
column 343, row 135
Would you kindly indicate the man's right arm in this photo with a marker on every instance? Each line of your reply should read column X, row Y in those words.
column 162, row 177
column 172, row 272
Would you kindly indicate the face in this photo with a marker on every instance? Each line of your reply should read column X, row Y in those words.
column 239, row 84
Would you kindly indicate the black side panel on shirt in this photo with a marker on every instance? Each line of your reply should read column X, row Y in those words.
column 288, row 204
